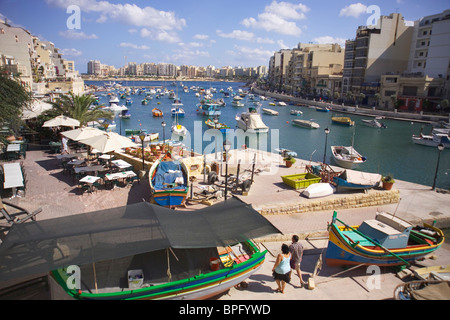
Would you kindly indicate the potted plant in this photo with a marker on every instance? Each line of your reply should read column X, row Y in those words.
column 388, row 182
column 289, row 160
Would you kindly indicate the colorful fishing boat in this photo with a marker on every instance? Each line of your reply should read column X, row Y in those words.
column 169, row 182
column 140, row 251
column 356, row 180
column 216, row 125
column 157, row 112
column 384, row 241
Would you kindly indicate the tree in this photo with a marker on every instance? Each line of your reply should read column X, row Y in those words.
column 14, row 98
column 78, row 107
column 377, row 97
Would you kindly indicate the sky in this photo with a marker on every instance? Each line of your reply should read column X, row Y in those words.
column 233, row 33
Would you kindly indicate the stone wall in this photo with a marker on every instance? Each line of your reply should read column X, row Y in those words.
column 373, row 198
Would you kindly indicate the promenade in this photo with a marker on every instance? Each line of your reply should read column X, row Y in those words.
column 57, row 194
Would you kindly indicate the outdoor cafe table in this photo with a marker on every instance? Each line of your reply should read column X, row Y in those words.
column 13, row 149
column 89, row 169
column 13, row 176
column 119, row 175
column 89, row 180
column 68, row 156
column 121, row 164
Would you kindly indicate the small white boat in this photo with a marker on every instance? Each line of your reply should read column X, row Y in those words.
column 179, row 130
column 270, row 111
column 148, row 137
column 251, row 122
column 305, row 124
column 282, row 104
column 296, row 112
column 374, row 123
column 347, row 157
column 436, row 137
column 318, row 190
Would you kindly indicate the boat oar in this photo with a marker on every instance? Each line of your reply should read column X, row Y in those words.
column 374, row 242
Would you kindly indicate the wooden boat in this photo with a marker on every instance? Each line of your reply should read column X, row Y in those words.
column 384, row 241
column 347, row 157
column 346, row 121
column 319, row 190
column 169, row 182
column 441, row 273
column 305, row 124
column 356, row 180
column 423, row 290
column 270, row 112
column 220, row 126
column 157, row 112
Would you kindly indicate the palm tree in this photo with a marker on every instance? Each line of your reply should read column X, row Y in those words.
column 79, row 107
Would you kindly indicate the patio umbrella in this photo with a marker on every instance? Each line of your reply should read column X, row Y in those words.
column 82, row 133
column 61, row 121
column 108, row 142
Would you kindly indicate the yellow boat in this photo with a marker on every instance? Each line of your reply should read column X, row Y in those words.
column 346, row 121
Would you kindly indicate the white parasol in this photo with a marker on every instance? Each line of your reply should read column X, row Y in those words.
column 108, row 142
column 82, row 133
column 61, row 121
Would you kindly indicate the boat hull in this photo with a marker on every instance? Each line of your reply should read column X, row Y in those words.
column 343, row 251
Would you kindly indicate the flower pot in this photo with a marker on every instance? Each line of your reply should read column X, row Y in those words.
column 289, row 163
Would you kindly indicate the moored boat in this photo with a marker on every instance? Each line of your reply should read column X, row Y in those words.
column 251, row 121
column 346, row 121
column 374, row 123
column 157, row 112
column 296, row 112
column 148, row 137
column 347, row 157
column 356, row 180
column 323, row 109
column 384, row 241
column 270, row 112
column 437, row 136
column 216, row 125
column 305, row 124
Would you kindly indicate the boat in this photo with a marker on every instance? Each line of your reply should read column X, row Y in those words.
column 113, row 99
column 319, row 190
column 384, row 241
column 282, row 104
column 356, row 180
column 169, row 182
column 149, row 137
column 323, row 109
column 130, row 132
column 128, row 102
column 305, row 124
column 347, row 157
column 374, row 123
column 437, row 136
column 143, row 253
column 270, row 112
column 441, row 273
column 423, row 290
column 208, row 108
column 346, row 121
column 296, row 112
column 157, row 112
column 216, row 125
column 125, row 114
column 251, row 122
column 177, row 112
column 179, row 129
column 144, row 101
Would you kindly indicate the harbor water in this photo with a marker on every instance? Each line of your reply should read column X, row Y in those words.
column 389, row 151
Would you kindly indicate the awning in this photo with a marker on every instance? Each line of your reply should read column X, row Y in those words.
column 41, row 246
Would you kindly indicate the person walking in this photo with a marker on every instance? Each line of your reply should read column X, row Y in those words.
column 296, row 251
column 281, row 268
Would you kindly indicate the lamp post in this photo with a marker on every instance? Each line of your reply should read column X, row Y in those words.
column 142, row 137
column 440, row 148
column 327, row 131
column 226, row 147
column 163, row 124
column 215, row 139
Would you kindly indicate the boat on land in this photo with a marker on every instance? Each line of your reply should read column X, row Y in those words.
column 140, row 251
column 423, row 290
column 356, row 180
column 251, row 122
column 347, row 157
column 437, row 136
column 345, row 121
column 384, row 241
column 296, row 112
column 441, row 273
column 216, row 124
column 169, row 182
column 374, row 123
column 319, row 190
column 270, row 112
column 157, row 112
column 305, row 124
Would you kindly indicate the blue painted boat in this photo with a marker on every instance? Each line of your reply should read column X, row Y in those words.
column 356, row 180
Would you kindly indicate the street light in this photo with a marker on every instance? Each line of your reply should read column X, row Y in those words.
column 142, row 137
column 440, row 148
column 327, row 131
column 163, row 124
column 226, row 147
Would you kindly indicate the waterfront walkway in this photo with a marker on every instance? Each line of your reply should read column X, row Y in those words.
column 57, row 194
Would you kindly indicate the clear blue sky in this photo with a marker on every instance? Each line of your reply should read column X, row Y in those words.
column 201, row 32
